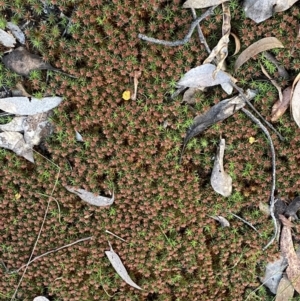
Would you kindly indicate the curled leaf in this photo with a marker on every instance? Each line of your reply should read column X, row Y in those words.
column 280, row 107
column 201, row 3
column 15, row 142
column 91, row 198
column 237, row 43
column 257, row 47
column 222, row 220
column 119, row 267
column 220, row 181
column 295, row 102
column 28, row 106
column 203, row 76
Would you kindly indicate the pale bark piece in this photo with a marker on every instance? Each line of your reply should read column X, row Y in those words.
column 258, row 10
column 15, row 142
column 221, row 181
column 222, row 220
column 16, row 31
column 202, row 3
column 23, row 62
column 288, row 251
column 218, row 112
column 295, row 103
column 202, row 76
column 91, row 198
column 28, row 106
column 257, row 47
column 37, row 128
column 16, row 125
column 285, row 290
column 273, row 274
column 280, row 107
column 40, row 298
column 119, row 267
column 7, row 39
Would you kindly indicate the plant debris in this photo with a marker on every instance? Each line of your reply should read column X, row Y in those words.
column 91, row 198
column 201, row 3
column 222, row 220
column 119, row 267
column 7, row 39
column 279, row 106
column 220, row 181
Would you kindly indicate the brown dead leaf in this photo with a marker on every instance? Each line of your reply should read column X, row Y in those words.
column 281, row 106
column 201, row 3
column 22, row 90
column 23, row 62
column 257, row 47
column 189, row 95
column 288, row 251
column 285, row 290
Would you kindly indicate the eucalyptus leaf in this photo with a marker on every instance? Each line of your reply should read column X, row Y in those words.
column 7, row 39
column 201, row 3
column 16, row 31
column 16, row 125
column 119, row 267
column 28, row 106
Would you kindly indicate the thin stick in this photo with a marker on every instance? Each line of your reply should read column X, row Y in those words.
column 51, row 251
column 254, row 109
column 244, row 221
column 186, row 38
column 200, row 33
column 115, row 235
column 272, row 199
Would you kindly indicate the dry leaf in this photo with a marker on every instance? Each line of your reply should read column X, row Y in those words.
column 119, row 267
column 189, row 95
column 16, row 31
column 16, row 125
column 91, row 198
column 40, row 298
column 273, row 274
column 288, row 251
column 257, row 47
column 260, row 10
column 37, row 128
column 15, row 142
column 280, row 107
column 237, row 43
column 22, row 90
column 222, row 220
column 78, row 137
column 218, row 112
column 295, row 101
column 274, row 82
column 285, row 290
column 201, row 3
column 28, row 106
column 23, row 62
column 7, row 39
column 220, row 181
column 202, row 76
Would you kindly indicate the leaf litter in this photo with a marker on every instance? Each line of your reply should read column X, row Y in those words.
column 91, row 198
column 119, row 267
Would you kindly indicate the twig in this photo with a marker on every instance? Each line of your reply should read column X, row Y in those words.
column 200, row 33
column 186, row 38
column 254, row 109
column 244, row 221
column 49, row 252
column 272, row 199
column 115, row 235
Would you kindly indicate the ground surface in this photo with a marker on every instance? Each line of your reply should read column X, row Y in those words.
column 173, row 249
